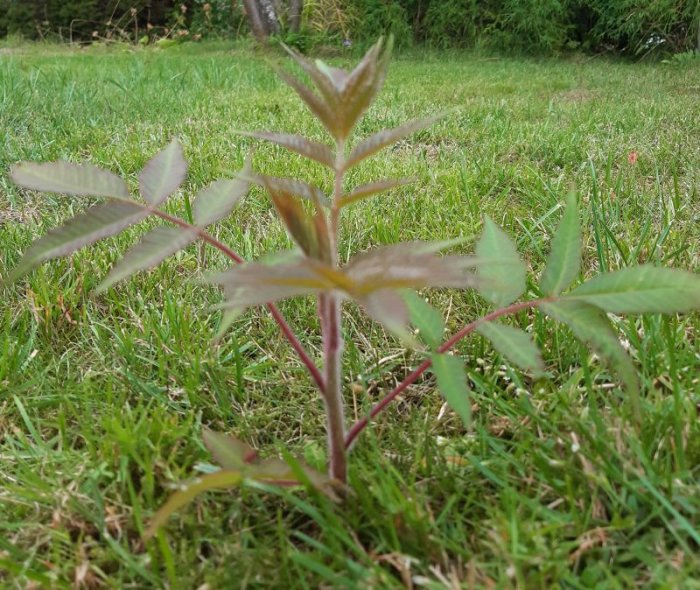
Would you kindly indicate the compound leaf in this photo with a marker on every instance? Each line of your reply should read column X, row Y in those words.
column 514, row 344
column 564, row 260
column 452, row 382
column 642, row 289
column 501, row 268
column 163, row 174
column 69, row 178
column 154, row 247
column 100, row 221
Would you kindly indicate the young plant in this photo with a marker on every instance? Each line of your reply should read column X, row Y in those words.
column 383, row 281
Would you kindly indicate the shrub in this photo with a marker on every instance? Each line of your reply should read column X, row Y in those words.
column 383, row 280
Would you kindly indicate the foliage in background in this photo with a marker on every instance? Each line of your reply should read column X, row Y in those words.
column 512, row 26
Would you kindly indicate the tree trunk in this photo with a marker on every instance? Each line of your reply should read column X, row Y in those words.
column 296, row 7
column 262, row 18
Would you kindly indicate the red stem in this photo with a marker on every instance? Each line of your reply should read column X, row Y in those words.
column 276, row 314
column 361, row 424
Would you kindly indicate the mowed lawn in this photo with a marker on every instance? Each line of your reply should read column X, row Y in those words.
column 103, row 398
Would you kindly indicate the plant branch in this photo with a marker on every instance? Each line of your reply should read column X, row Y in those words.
column 273, row 309
column 361, row 424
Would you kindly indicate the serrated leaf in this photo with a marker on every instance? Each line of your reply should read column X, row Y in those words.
column 591, row 325
column 367, row 190
column 255, row 284
column 501, row 268
column 228, row 452
column 163, row 174
column 317, row 106
column 514, row 344
column 154, row 247
column 642, row 289
column 564, row 261
column 70, row 179
column 290, row 186
column 426, row 318
column 218, row 200
column 100, row 221
column 452, row 382
column 384, row 138
column 313, row 150
column 224, row 479
column 409, row 265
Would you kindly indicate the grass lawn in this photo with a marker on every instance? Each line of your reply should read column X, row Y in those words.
column 102, row 398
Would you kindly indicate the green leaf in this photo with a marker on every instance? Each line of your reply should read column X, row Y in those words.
column 425, row 317
column 642, row 289
column 154, row 247
column 501, row 268
column 452, row 382
column 564, row 260
column 163, row 174
column 70, row 179
column 100, row 221
column 367, row 190
column 514, row 344
column 224, row 479
column 591, row 325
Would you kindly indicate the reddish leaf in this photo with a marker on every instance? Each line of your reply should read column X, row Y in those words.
column 380, row 140
column 163, row 174
column 367, row 190
column 100, row 221
column 313, row 150
column 69, row 179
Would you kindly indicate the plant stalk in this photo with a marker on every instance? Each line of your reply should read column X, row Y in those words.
column 329, row 310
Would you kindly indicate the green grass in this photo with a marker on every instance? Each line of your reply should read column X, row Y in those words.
column 102, row 398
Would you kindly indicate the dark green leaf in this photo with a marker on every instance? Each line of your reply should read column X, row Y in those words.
column 501, row 268
column 514, row 344
column 452, row 382
column 100, row 221
column 564, row 260
column 154, row 247
column 69, row 179
column 163, row 174
column 642, row 289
